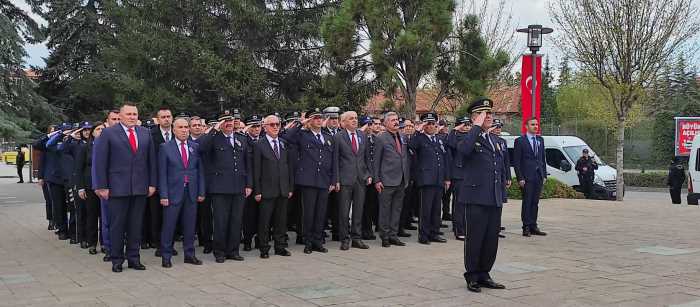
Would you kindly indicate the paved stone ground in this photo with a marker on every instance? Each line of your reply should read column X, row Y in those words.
column 642, row 252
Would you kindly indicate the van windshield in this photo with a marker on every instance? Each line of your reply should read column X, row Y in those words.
column 575, row 152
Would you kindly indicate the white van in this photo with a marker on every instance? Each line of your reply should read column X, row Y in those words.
column 561, row 154
column 694, row 172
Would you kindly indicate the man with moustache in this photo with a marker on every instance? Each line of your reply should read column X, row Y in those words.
column 273, row 184
column 391, row 173
column 125, row 174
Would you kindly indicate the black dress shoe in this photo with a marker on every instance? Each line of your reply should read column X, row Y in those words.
column 500, row 235
column 136, row 266
column 282, row 252
column 207, row 250
column 537, row 232
column 116, row 268
column 345, row 245
column 235, row 257
column 103, row 250
column 424, row 241
column 404, row 234
column 438, row 240
column 489, row 283
column 92, row 251
column 51, row 226
column 386, row 243
column 473, row 286
column 84, row 245
column 320, row 249
column 247, row 247
column 410, row 227
column 307, row 250
column 193, row 260
column 220, row 259
column 106, row 258
column 503, row 228
column 158, row 253
column 526, row 232
column 396, row 242
column 264, row 255
column 166, row 263
column 460, row 238
column 359, row 244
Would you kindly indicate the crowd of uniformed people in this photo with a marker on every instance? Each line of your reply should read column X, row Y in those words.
column 124, row 185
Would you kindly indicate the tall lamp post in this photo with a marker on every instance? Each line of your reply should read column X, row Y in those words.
column 534, row 42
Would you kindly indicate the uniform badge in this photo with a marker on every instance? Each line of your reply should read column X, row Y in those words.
column 191, row 150
column 498, row 146
column 328, row 142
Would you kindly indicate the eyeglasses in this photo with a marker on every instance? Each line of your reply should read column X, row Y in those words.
column 273, row 124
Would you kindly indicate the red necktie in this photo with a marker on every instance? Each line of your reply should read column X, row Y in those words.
column 354, row 143
column 185, row 162
column 132, row 140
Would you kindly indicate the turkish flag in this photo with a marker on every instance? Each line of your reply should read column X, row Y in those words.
column 526, row 84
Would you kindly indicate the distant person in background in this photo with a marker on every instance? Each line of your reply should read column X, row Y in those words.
column 20, row 163
column 586, row 166
column 676, row 177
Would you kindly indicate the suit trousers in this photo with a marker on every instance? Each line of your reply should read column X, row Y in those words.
column 20, row 167
column 205, row 223
column 58, row 207
column 80, row 211
column 390, row 204
column 314, row 202
column 332, row 210
column 126, row 217
column 530, row 202
column 370, row 212
column 92, row 216
column 430, row 201
column 104, row 225
column 47, row 199
column 275, row 210
column 675, row 195
column 228, row 215
column 459, row 221
column 410, row 207
column 447, row 201
column 250, row 220
column 153, row 221
column 186, row 213
column 481, row 245
column 351, row 196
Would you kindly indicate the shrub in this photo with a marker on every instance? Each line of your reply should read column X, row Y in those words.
column 652, row 180
column 552, row 189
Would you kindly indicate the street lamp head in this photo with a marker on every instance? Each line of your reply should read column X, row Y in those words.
column 534, row 36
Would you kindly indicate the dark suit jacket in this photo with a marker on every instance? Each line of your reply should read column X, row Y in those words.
column 117, row 168
column 316, row 166
column 391, row 166
column 457, row 160
column 83, row 167
column 158, row 137
column 432, row 159
column 272, row 177
column 483, row 182
column 352, row 167
column 228, row 169
column 172, row 173
column 527, row 165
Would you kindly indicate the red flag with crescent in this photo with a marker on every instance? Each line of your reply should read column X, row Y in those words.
column 526, row 84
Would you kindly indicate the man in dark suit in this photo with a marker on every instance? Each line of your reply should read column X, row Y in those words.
column 354, row 177
column 482, row 192
column 463, row 125
column 181, row 188
column 229, row 180
column 273, row 182
column 531, row 171
column 160, row 134
column 391, row 175
column 250, row 209
column 125, row 174
column 316, row 174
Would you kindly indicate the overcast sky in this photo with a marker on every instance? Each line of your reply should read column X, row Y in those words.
column 524, row 12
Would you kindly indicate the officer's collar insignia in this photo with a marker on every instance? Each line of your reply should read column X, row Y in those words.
column 328, row 142
column 191, row 149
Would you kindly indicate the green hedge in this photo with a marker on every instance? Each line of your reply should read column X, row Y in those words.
column 552, row 189
column 651, row 180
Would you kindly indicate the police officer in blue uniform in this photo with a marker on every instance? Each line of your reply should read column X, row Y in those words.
column 316, row 174
column 482, row 192
column 432, row 177
column 250, row 210
column 52, row 175
column 457, row 170
column 229, row 180
column 507, row 176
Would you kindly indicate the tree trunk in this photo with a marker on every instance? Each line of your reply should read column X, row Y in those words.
column 619, row 158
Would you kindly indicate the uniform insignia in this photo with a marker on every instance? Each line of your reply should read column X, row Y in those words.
column 191, row 150
column 328, row 142
column 442, row 148
column 498, row 146
column 238, row 143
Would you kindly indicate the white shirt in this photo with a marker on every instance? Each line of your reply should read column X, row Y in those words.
column 187, row 148
column 488, row 138
column 317, row 134
column 357, row 136
column 529, row 139
column 272, row 145
column 169, row 132
column 231, row 138
column 126, row 130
